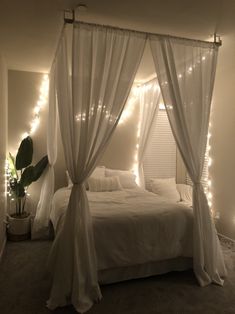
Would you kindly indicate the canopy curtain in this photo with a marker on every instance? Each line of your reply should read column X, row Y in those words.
column 90, row 101
column 186, row 73
column 40, row 228
column 149, row 100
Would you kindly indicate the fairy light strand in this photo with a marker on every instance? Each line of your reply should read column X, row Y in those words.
column 41, row 102
column 147, row 86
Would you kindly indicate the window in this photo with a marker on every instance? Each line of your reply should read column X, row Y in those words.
column 160, row 159
column 160, row 156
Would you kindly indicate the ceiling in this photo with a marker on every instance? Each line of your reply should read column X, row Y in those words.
column 29, row 29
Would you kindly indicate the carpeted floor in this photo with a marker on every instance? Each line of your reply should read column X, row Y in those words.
column 24, row 288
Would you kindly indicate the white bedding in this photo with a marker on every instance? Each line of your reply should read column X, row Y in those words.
column 133, row 226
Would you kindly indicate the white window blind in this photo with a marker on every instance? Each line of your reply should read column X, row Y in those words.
column 160, row 156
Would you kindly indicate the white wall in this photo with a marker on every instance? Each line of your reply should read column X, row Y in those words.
column 23, row 93
column 3, row 150
column 120, row 153
column 223, row 139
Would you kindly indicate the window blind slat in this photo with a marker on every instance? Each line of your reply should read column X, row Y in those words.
column 160, row 156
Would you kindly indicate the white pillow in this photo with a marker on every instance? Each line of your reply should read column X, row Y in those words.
column 98, row 172
column 166, row 188
column 128, row 181
column 103, row 184
column 127, row 178
column 186, row 193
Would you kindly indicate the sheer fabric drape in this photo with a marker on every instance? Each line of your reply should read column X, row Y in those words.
column 40, row 228
column 186, row 72
column 90, row 102
column 149, row 97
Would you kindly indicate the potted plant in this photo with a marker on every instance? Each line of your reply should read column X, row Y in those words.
column 21, row 174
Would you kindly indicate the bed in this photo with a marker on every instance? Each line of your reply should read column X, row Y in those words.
column 137, row 233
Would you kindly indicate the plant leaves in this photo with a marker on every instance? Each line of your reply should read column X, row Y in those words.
column 39, row 168
column 25, row 153
column 27, row 176
column 13, row 183
column 12, row 168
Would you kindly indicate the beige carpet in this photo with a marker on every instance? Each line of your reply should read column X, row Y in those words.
column 24, row 288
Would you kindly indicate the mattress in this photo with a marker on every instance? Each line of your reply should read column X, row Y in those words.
column 132, row 227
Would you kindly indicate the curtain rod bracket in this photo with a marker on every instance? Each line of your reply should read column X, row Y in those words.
column 217, row 39
column 69, row 16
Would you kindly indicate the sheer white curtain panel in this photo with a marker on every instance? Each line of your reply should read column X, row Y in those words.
column 91, row 96
column 40, row 228
column 149, row 99
column 186, row 73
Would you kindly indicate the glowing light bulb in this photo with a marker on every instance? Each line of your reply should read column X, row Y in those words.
column 24, row 135
column 190, row 70
column 209, row 162
column 209, row 195
column 37, row 110
column 161, row 106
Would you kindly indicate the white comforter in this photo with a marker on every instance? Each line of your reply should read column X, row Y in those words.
column 133, row 226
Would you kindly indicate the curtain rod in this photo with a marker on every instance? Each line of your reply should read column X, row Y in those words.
column 71, row 20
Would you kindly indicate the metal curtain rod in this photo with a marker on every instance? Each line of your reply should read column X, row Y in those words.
column 69, row 18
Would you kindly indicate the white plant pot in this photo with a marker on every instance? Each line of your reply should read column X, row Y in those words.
column 18, row 228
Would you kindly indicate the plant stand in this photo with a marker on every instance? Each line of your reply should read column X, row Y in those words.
column 18, row 229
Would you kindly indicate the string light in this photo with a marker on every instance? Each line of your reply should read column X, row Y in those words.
column 41, row 102
column 7, row 176
column 135, row 167
column 209, row 182
column 147, row 87
column 129, row 108
column 139, row 89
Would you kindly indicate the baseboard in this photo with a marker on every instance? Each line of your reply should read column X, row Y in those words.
column 3, row 249
column 230, row 243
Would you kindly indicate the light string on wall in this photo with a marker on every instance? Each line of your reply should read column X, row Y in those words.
column 34, row 124
column 150, row 85
column 129, row 108
column 103, row 109
column 209, row 182
column 41, row 102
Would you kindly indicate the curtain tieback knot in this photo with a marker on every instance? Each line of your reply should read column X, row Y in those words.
column 78, row 183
